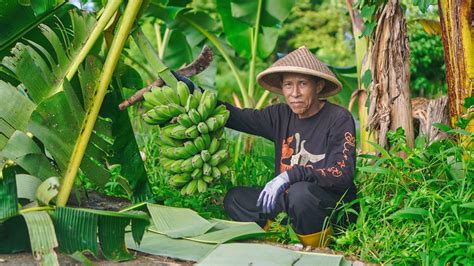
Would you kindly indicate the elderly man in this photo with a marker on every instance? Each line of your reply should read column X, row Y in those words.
column 315, row 149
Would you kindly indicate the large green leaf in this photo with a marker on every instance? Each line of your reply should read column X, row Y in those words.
column 42, row 236
column 108, row 226
column 226, row 231
column 62, row 109
column 178, row 222
column 161, row 245
column 239, row 19
column 8, row 194
column 15, row 112
column 261, row 254
column 16, row 19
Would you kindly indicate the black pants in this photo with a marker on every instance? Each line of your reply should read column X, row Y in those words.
column 306, row 204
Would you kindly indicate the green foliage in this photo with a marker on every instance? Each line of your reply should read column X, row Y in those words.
column 282, row 230
column 414, row 209
column 325, row 30
column 428, row 72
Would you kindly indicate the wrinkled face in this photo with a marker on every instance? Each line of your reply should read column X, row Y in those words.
column 301, row 92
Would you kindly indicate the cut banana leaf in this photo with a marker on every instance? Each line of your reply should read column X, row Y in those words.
column 161, row 245
column 178, row 222
column 8, row 194
column 318, row 259
column 233, row 233
column 250, row 254
column 108, row 226
column 261, row 254
column 42, row 237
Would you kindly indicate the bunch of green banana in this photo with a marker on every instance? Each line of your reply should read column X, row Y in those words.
column 191, row 128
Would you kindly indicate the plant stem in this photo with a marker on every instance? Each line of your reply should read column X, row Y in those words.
column 254, row 51
column 36, row 209
column 113, row 57
column 262, row 99
column 212, row 38
column 164, row 44
column 156, row 26
column 153, row 59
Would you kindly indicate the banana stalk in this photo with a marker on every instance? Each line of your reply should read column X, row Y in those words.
column 113, row 56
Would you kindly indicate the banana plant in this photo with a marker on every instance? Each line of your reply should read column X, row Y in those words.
column 61, row 110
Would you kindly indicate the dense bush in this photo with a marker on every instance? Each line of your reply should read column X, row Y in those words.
column 417, row 208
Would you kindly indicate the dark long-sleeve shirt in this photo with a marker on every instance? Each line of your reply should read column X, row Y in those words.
column 319, row 149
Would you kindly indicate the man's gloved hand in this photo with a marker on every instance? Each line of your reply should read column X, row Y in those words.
column 184, row 79
column 268, row 196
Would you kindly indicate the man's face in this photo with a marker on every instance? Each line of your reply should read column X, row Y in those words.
column 301, row 92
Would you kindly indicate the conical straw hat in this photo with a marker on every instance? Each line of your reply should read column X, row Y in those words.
column 299, row 61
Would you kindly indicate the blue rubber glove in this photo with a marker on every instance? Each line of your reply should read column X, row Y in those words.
column 184, row 79
column 269, row 194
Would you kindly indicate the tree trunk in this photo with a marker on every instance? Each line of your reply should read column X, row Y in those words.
column 362, row 55
column 457, row 23
column 390, row 106
column 427, row 112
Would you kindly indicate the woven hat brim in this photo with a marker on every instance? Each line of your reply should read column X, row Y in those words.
column 270, row 79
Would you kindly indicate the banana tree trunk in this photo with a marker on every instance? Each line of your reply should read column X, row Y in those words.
column 362, row 53
column 457, row 22
column 390, row 106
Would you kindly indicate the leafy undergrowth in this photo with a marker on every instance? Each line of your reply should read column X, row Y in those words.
column 416, row 209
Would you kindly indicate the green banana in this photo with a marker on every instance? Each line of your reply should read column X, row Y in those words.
column 183, row 93
column 190, row 147
column 221, row 120
column 212, row 123
column 167, row 141
column 206, row 169
column 207, row 140
column 175, row 167
column 197, row 161
column 219, row 157
column 198, row 95
column 221, row 109
column 207, row 179
column 191, row 187
column 171, row 94
column 191, row 132
column 218, row 133
column 169, row 152
column 195, row 116
column 178, row 132
column 199, row 143
column 202, row 128
column 165, row 162
column 184, row 120
column 159, row 96
column 150, row 120
column 187, row 165
column 224, row 169
column 175, row 109
column 179, row 180
column 192, row 102
column 216, row 173
column 201, row 186
column 197, row 173
column 150, row 99
column 214, row 146
column 204, row 109
column 205, row 155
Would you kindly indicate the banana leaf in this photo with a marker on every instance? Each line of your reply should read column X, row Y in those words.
column 61, row 108
column 107, row 226
column 226, row 231
column 161, row 245
column 261, row 254
column 42, row 236
column 178, row 222
column 8, row 193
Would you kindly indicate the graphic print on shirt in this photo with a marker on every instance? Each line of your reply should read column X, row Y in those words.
column 299, row 157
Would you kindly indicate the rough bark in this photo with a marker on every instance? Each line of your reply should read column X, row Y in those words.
column 457, row 23
column 428, row 112
column 390, row 106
